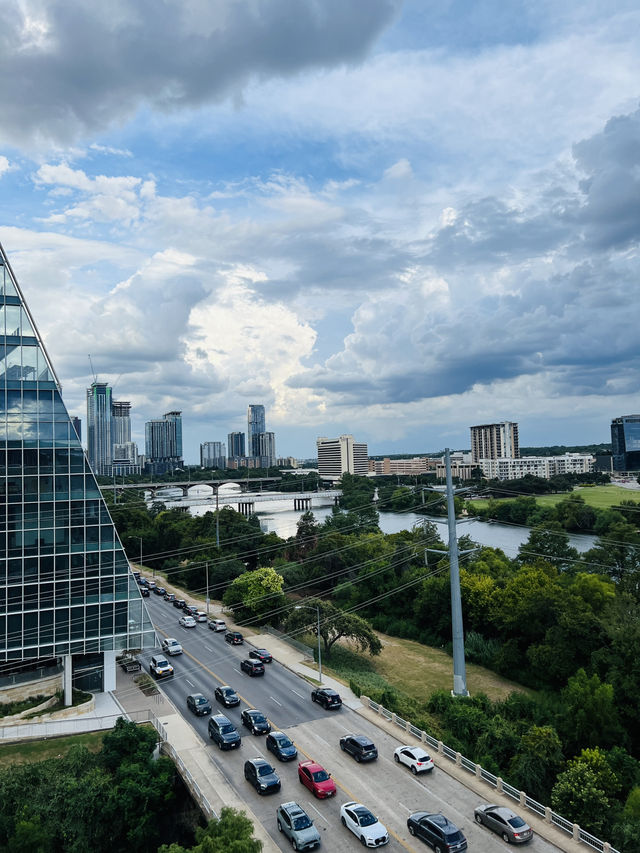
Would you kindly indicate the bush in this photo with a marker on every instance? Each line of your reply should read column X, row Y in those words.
column 7, row 709
column 480, row 650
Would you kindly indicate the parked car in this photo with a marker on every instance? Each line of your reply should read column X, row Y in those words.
column 296, row 825
column 179, row 603
column 160, row 667
column 200, row 616
column 281, row 746
column 223, row 732
column 187, row 622
column 234, row 637
column 314, row 777
column 364, row 825
column 261, row 654
column 199, row 704
column 328, row 698
column 415, row 758
column 217, row 625
column 227, row 696
column 261, row 775
column 505, row 822
column 144, row 592
column 171, row 646
column 169, row 596
column 359, row 746
column 252, row 667
column 255, row 721
column 436, row 831
column 159, row 590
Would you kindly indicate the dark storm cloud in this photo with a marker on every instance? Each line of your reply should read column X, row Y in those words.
column 70, row 67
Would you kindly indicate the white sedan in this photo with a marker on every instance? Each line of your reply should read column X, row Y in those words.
column 364, row 825
column 187, row 621
column 415, row 758
column 171, row 646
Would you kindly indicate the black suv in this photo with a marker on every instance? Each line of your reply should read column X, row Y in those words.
column 253, row 667
column 256, row 721
column 437, row 832
column 261, row 775
column 223, row 732
column 179, row 603
column 328, row 698
column 234, row 637
column 199, row 704
column 359, row 746
column 227, row 696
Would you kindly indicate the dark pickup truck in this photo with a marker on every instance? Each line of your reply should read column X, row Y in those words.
column 129, row 663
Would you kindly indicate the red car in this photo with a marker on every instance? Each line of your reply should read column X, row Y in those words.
column 314, row 777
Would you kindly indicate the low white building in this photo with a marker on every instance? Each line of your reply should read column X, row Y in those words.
column 537, row 466
column 338, row 456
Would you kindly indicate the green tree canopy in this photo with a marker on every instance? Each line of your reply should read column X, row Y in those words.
column 335, row 624
column 232, row 832
column 256, row 595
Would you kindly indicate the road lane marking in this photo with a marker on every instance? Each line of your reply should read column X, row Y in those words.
column 320, row 813
column 189, row 683
column 402, row 805
column 297, row 694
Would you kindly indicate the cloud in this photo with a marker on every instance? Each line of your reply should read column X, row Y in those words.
column 81, row 67
column 4, row 165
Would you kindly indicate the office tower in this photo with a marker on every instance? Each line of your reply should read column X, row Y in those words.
column 125, row 459
column 212, row 455
column 625, row 443
column 255, row 426
column 235, row 444
column 495, row 441
column 338, row 456
column 99, row 431
column 163, row 443
column 266, row 449
column 77, row 425
column 120, row 422
column 66, row 589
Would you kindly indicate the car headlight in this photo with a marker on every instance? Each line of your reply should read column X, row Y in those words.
column 263, row 787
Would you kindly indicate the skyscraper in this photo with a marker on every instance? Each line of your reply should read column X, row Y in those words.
column 338, row 456
column 163, row 443
column 235, row 445
column 255, row 426
column 625, row 443
column 212, row 454
column 66, row 589
column 267, row 449
column 120, row 422
column 99, row 430
column 495, row 441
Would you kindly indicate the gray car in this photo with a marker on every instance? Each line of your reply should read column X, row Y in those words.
column 297, row 826
column 506, row 823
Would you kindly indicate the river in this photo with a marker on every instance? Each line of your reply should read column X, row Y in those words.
column 278, row 517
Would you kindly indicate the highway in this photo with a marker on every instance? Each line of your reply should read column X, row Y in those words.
column 389, row 790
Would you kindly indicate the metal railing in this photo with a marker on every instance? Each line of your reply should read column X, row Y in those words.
column 190, row 782
column 496, row 782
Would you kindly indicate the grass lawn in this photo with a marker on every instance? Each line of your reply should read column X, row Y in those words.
column 600, row 497
column 37, row 750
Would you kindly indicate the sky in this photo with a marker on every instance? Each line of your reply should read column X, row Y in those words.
column 385, row 218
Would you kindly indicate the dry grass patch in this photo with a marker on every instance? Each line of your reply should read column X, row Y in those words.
column 28, row 751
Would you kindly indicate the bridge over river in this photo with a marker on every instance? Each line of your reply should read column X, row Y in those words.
column 246, row 502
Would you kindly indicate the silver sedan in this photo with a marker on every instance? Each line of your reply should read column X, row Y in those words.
column 506, row 823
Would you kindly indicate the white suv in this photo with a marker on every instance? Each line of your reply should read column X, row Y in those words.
column 171, row 646
column 217, row 625
column 160, row 666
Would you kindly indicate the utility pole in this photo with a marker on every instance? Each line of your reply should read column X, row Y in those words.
column 207, row 568
column 217, row 518
column 459, row 669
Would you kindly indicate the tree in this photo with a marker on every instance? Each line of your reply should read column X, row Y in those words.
column 585, row 793
column 335, row 624
column 537, row 762
column 549, row 542
column 255, row 595
column 589, row 716
column 232, row 832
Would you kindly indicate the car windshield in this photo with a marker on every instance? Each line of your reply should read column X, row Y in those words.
column 163, row 662
column 258, row 718
column 227, row 730
column 200, row 700
column 320, row 776
column 265, row 770
column 516, row 822
column 302, row 822
column 365, row 818
column 227, row 691
column 283, row 742
column 454, row 837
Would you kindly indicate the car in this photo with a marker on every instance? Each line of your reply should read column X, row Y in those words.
column 505, row 822
column 179, row 603
column 314, row 777
column 261, row 654
column 227, row 696
column 281, row 746
column 328, row 698
column 151, row 585
column 199, row 704
column 416, row 759
column 256, row 721
column 159, row 590
column 144, row 592
column 261, row 775
column 190, row 609
column 234, row 637
column 171, row 646
column 359, row 746
column 252, row 667
column 187, row 622
column 169, row 596
column 217, row 625
column 223, row 732
column 436, row 831
column 200, row 616
column 160, row 667
column 136, row 574
column 297, row 826
column 143, row 582
column 364, row 824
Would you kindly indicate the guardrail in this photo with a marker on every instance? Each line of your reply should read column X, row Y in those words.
column 545, row 812
column 190, row 782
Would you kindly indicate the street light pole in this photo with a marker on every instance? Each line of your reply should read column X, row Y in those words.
column 317, row 609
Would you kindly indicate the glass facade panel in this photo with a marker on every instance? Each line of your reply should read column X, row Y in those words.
column 64, row 577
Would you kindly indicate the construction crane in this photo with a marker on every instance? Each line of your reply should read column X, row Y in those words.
column 95, row 378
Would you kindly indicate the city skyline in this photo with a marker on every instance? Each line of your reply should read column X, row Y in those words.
column 392, row 224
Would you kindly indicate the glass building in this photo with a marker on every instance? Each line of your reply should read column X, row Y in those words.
column 625, row 443
column 66, row 588
column 163, row 443
column 255, row 426
column 99, row 428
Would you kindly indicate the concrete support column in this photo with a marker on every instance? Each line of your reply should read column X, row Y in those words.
column 67, row 680
column 109, row 667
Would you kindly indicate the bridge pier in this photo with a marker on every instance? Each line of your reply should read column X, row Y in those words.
column 302, row 503
column 246, row 507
